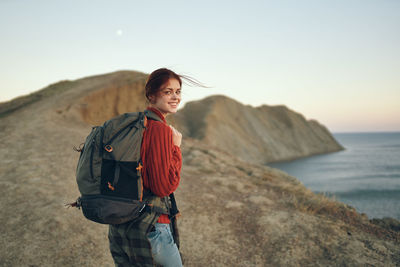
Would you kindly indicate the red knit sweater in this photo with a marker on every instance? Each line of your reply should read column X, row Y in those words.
column 162, row 160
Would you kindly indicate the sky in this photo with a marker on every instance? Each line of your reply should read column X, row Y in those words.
column 334, row 61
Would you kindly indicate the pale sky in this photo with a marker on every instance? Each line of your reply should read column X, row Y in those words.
column 334, row 61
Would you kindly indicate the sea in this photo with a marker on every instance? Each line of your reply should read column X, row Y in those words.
column 366, row 175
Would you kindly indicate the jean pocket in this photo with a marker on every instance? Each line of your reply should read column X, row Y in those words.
column 153, row 234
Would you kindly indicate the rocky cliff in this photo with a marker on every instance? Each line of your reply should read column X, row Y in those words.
column 234, row 213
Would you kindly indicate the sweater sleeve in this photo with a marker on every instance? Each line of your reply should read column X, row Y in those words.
column 164, row 161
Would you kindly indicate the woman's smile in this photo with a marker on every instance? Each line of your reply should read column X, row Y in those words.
column 174, row 104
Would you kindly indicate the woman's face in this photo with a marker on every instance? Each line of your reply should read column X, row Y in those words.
column 167, row 99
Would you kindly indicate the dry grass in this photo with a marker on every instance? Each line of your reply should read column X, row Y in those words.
column 296, row 196
column 303, row 199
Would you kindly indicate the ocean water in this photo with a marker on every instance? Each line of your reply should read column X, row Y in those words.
column 366, row 175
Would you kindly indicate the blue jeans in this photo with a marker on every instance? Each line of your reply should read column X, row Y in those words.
column 163, row 247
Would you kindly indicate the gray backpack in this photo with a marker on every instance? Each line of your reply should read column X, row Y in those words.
column 109, row 172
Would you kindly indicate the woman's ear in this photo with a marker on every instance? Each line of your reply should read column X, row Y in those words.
column 152, row 99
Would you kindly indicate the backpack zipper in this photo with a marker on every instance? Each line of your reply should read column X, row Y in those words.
column 91, row 158
column 128, row 200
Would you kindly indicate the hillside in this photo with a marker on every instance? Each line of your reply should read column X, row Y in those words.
column 234, row 213
column 260, row 135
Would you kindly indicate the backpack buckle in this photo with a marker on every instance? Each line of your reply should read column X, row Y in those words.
column 145, row 121
column 108, row 148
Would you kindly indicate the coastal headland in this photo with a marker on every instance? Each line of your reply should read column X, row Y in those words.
column 235, row 210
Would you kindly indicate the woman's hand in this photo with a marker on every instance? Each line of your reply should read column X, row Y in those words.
column 176, row 136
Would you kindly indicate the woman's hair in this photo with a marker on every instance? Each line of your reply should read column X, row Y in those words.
column 161, row 76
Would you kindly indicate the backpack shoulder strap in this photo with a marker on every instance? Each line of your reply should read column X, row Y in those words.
column 151, row 115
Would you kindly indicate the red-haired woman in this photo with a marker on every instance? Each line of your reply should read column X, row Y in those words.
column 143, row 244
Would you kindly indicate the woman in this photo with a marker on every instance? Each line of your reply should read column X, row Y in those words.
column 144, row 243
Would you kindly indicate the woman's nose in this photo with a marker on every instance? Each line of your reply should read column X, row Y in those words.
column 175, row 95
